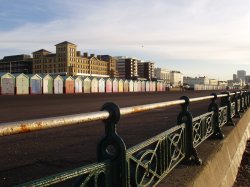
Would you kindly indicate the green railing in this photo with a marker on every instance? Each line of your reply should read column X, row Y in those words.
column 147, row 163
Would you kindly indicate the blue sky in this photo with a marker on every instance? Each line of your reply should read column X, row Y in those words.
column 197, row 37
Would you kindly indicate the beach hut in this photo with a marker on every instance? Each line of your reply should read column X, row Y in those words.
column 143, row 86
column 101, row 85
column 154, row 86
column 135, row 86
column 35, row 84
column 120, row 85
column 22, row 84
column 58, row 84
column 7, row 86
column 131, row 86
column 126, row 86
column 115, row 85
column 151, row 86
column 158, row 89
column 138, row 86
column 47, row 84
column 147, row 86
column 109, row 85
column 86, row 85
column 78, row 84
column 94, row 85
column 69, row 85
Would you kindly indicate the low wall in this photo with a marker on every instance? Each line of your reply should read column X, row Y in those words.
column 221, row 160
column 222, row 166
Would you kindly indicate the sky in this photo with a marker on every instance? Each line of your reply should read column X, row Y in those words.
column 197, row 37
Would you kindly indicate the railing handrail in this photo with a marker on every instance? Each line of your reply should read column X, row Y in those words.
column 10, row 128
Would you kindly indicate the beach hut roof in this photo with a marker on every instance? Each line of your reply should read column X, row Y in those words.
column 78, row 77
column 45, row 75
column 2, row 74
column 67, row 77
column 33, row 75
column 84, row 78
column 19, row 74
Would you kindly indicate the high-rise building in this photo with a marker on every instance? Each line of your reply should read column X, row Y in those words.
column 16, row 64
column 241, row 74
column 67, row 60
column 234, row 77
column 127, row 67
column 146, row 70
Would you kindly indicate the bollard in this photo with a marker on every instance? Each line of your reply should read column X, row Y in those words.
column 186, row 117
column 225, row 101
column 215, row 108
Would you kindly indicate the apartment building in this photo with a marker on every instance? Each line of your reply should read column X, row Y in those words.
column 146, row 70
column 127, row 67
column 163, row 74
column 67, row 60
column 176, row 78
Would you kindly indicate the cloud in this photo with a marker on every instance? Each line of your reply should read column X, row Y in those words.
column 205, row 30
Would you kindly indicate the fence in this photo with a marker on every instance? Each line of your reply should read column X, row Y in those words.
column 147, row 163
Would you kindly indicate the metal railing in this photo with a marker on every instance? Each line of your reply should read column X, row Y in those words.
column 147, row 163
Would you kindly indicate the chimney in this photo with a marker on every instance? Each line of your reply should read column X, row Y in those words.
column 85, row 55
column 78, row 53
column 92, row 55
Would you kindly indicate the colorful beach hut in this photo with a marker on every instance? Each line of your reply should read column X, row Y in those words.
column 47, row 84
column 78, row 84
column 109, row 85
column 115, row 85
column 131, row 86
column 86, row 85
column 126, row 86
column 22, row 84
column 69, row 85
column 58, row 84
column 35, row 84
column 143, row 86
column 101, row 85
column 147, row 86
column 120, row 85
column 135, row 86
column 94, row 85
column 7, row 86
column 138, row 86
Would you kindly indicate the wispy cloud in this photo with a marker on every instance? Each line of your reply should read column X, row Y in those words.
column 200, row 30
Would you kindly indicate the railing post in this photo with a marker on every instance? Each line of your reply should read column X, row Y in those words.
column 186, row 117
column 241, row 107
column 237, row 113
column 215, row 108
column 245, row 100
column 225, row 101
column 248, row 99
column 112, row 146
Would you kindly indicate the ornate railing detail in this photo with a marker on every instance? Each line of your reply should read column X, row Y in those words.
column 90, row 175
column 222, row 116
column 150, row 161
column 203, row 127
column 233, row 109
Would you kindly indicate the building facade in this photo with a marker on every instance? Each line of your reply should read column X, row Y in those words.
column 17, row 64
column 176, row 78
column 241, row 74
column 67, row 60
column 162, row 74
column 191, row 81
column 146, row 70
column 127, row 67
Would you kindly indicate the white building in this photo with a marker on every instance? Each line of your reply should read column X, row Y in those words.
column 213, row 82
column 163, row 74
column 176, row 78
column 196, row 80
